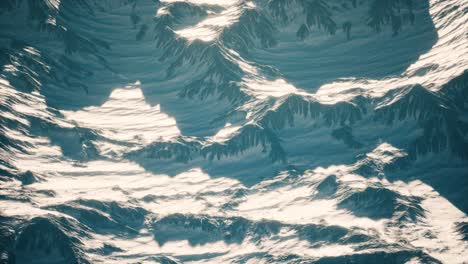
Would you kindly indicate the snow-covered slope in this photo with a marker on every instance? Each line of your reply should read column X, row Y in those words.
column 262, row 131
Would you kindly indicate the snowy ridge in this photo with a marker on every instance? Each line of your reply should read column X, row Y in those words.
column 398, row 105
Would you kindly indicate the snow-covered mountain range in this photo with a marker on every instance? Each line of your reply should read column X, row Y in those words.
column 233, row 131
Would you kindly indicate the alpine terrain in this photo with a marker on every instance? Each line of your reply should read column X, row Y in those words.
column 234, row 131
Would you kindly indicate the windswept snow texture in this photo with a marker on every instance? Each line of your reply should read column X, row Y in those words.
column 234, row 131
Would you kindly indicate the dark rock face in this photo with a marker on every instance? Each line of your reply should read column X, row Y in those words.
column 327, row 187
column 199, row 230
column 28, row 178
column 462, row 228
column 378, row 203
column 7, row 242
column 44, row 240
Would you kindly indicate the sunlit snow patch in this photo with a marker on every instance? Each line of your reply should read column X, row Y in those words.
column 127, row 117
column 225, row 133
column 209, row 28
column 262, row 89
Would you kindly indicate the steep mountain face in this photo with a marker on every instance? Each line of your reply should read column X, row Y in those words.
column 263, row 131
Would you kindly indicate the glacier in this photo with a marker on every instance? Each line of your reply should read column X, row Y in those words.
column 233, row 131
